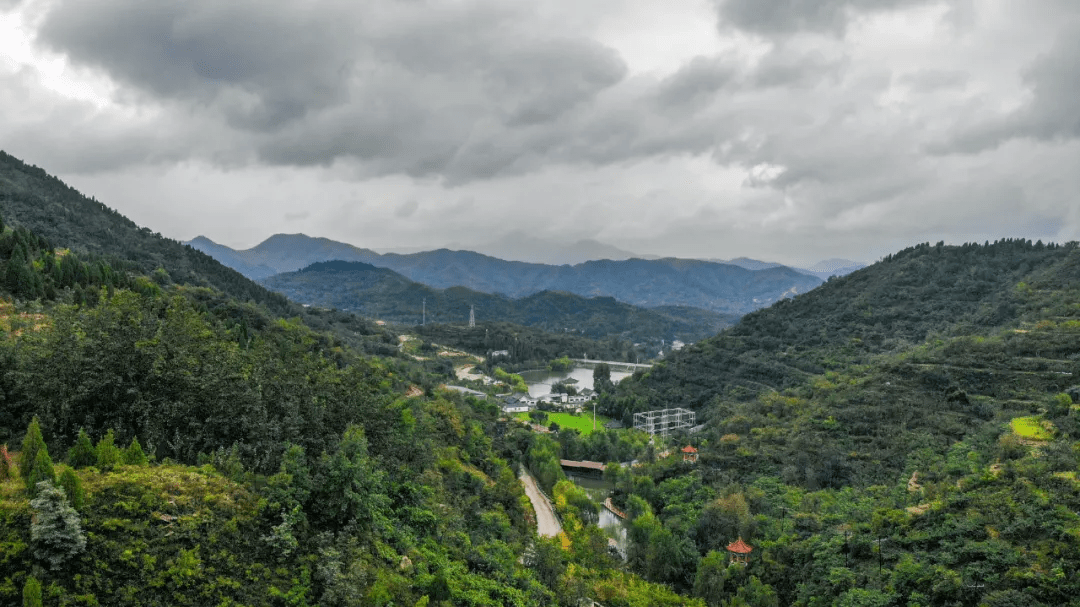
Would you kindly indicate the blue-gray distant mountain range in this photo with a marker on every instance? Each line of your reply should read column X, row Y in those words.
column 734, row 287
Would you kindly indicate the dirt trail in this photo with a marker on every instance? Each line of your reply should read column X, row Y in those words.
column 546, row 523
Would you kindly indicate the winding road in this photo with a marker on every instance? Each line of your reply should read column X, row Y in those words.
column 546, row 523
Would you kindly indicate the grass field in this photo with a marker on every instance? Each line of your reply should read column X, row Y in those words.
column 582, row 423
column 1030, row 427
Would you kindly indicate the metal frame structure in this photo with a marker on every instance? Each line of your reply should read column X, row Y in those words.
column 664, row 421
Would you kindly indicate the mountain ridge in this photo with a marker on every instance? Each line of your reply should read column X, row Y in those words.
column 702, row 284
column 387, row 295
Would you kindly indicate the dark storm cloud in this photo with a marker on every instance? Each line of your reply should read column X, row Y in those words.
column 781, row 17
column 410, row 88
column 260, row 64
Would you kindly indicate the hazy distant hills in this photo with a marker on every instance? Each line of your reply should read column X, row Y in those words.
column 720, row 287
column 386, row 295
column 822, row 269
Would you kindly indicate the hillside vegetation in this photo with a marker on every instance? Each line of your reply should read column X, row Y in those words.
column 163, row 443
column 386, row 295
column 904, row 435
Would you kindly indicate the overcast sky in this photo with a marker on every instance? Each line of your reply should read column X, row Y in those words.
column 786, row 130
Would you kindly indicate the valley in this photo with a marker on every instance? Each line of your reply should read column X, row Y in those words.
column 172, row 432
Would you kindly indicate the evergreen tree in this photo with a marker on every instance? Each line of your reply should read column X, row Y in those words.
column 42, row 471
column 56, row 532
column 82, row 454
column 32, row 443
column 31, row 594
column 133, row 455
column 73, row 488
column 108, row 454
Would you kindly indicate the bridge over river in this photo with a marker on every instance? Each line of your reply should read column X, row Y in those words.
column 616, row 365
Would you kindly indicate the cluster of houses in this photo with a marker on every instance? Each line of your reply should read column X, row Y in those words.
column 520, row 402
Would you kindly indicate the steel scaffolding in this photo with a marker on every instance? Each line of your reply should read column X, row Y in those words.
column 664, row 421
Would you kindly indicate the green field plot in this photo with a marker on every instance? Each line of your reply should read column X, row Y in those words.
column 583, row 423
column 1032, row 428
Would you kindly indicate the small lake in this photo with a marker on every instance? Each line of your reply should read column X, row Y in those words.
column 540, row 380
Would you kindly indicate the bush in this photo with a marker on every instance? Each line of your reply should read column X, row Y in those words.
column 32, row 443
column 31, row 594
column 42, row 471
column 133, row 455
column 7, row 467
column 73, row 488
column 108, row 454
column 82, row 454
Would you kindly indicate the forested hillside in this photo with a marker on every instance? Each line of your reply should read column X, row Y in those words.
column 162, row 443
column 63, row 218
column 904, row 435
column 386, row 295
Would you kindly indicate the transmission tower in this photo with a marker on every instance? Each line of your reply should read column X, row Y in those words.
column 423, row 319
column 472, row 316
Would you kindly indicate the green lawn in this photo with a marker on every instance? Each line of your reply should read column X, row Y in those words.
column 1030, row 427
column 582, row 423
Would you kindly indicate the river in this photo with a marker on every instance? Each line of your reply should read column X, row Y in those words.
column 598, row 490
column 540, row 380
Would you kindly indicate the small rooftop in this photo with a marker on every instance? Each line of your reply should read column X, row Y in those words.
column 739, row 547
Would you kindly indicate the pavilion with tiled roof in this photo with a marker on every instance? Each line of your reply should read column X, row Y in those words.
column 689, row 454
column 739, row 552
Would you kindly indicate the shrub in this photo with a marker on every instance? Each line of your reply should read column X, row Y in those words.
column 7, row 467
column 133, row 455
column 31, row 594
column 82, row 454
column 32, row 443
column 42, row 471
column 108, row 454
column 73, row 488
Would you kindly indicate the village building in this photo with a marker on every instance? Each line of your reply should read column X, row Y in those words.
column 517, row 402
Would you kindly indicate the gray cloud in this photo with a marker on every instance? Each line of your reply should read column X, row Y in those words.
column 780, row 17
column 1050, row 114
column 406, row 209
column 316, row 82
column 800, row 124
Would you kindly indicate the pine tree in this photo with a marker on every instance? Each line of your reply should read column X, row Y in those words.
column 73, row 488
column 32, row 443
column 56, row 532
column 133, row 455
column 42, row 471
column 31, row 593
column 108, row 454
column 82, row 454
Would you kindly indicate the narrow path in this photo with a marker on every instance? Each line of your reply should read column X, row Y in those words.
column 546, row 523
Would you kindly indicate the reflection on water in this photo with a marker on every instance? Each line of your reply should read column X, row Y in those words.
column 599, row 489
column 540, row 381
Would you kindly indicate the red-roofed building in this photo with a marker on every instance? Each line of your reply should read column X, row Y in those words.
column 739, row 552
column 689, row 454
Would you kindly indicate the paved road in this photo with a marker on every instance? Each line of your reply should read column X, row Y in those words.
column 546, row 523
